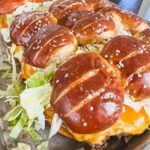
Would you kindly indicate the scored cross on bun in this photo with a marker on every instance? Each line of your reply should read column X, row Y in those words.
column 91, row 27
column 52, row 43
column 61, row 9
column 132, row 57
column 87, row 93
column 25, row 26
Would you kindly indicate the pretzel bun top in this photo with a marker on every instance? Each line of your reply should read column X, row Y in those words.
column 98, row 4
column 61, row 9
column 25, row 26
column 132, row 57
column 91, row 27
column 52, row 43
column 144, row 35
column 130, row 20
column 87, row 94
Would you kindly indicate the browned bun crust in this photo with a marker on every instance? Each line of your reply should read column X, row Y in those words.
column 75, row 17
column 27, row 24
column 87, row 94
column 99, row 4
column 132, row 57
column 52, row 43
column 144, row 35
column 133, row 22
column 91, row 27
column 61, row 9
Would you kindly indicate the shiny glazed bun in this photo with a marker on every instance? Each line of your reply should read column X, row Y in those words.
column 144, row 35
column 25, row 26
column 129, row 20
column 132, row 57
column 91, row 27
column 75, row 17
column 98, row 4
column 87, row 94
column 61, row 9
column 52, row 43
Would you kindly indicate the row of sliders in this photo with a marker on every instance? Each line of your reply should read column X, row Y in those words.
column 88, row 89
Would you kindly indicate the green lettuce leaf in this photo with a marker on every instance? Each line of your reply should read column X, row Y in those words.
column 94, row 47
column 43, row 146
column 55, row 125
column 6, row 34
column 41, row 77
column 10, row 19
column 22, row 146
column 19, row 126
column 35, row 136
column 33, row 100
column 15, row 88
column 14, row 113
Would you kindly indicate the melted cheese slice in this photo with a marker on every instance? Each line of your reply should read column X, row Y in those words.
column 130, row 123
column 3, row 22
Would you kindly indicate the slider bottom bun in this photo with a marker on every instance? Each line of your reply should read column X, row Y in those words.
column 130, row 123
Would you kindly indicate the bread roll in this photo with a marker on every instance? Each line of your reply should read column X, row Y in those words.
column 52, row 43
column 25, row 26
column 87, row 94
column 144, row 35
column 99, row 4
column 91, row 27
column 130, row 21
column 61, row 9
column 132, row 57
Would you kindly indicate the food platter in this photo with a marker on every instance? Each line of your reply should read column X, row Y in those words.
column 59, row 141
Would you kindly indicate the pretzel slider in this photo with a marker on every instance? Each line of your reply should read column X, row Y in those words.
column 87, row 94
column 132, row 57
column 25, row 26
column 52, row 43
column 91, row 27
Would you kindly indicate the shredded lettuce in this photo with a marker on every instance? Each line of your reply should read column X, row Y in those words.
column 14, row 90
column 5, row 33
column 22, row 146
column 10, row 19
column 43, row 146
column 14, row 113
column 33, row 100
column 35, row 136
column 29, row 6
column 94, row 47
column 41, row 77
column 5, row 70
column 28, row 103
column 19, row 126
column 55, row 125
